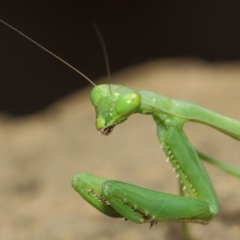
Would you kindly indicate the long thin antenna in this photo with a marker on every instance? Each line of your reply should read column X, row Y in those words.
column 100, row 36
column 46, row 50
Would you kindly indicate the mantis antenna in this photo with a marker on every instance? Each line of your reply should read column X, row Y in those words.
column 101, row 39
column 63, row 61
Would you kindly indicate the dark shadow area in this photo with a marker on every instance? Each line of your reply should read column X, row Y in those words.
column 229, row 217
column 173, row 230
column 134, row 32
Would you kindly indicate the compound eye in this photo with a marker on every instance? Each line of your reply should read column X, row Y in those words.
column 95, row 96
column 128, row 103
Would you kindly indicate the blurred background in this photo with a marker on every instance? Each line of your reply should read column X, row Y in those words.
column 185, row 50
column 135, row 32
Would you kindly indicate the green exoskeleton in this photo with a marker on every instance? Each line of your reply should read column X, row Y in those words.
column 198, row 202
column 140, row 205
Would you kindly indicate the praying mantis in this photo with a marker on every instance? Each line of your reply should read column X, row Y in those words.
column 113, row 105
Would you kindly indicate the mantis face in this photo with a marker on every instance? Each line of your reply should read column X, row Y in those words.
column 112, row 106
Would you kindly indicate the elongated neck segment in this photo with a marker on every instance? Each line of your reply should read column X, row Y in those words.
column 152, row 103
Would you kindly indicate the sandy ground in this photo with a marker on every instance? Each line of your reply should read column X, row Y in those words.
column 40, row 154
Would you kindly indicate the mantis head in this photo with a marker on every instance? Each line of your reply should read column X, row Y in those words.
column 113, row 106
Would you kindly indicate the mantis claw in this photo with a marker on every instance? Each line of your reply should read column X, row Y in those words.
column 152, row 223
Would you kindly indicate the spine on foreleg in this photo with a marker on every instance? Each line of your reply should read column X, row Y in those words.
column 187, row 165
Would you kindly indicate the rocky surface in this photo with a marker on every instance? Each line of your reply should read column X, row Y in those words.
column 39, row 155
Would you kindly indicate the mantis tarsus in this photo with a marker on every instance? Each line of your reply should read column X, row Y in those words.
column 113, row 105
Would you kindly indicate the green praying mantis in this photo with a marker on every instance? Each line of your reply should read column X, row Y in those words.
column 117, row 199
column 197, row 202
